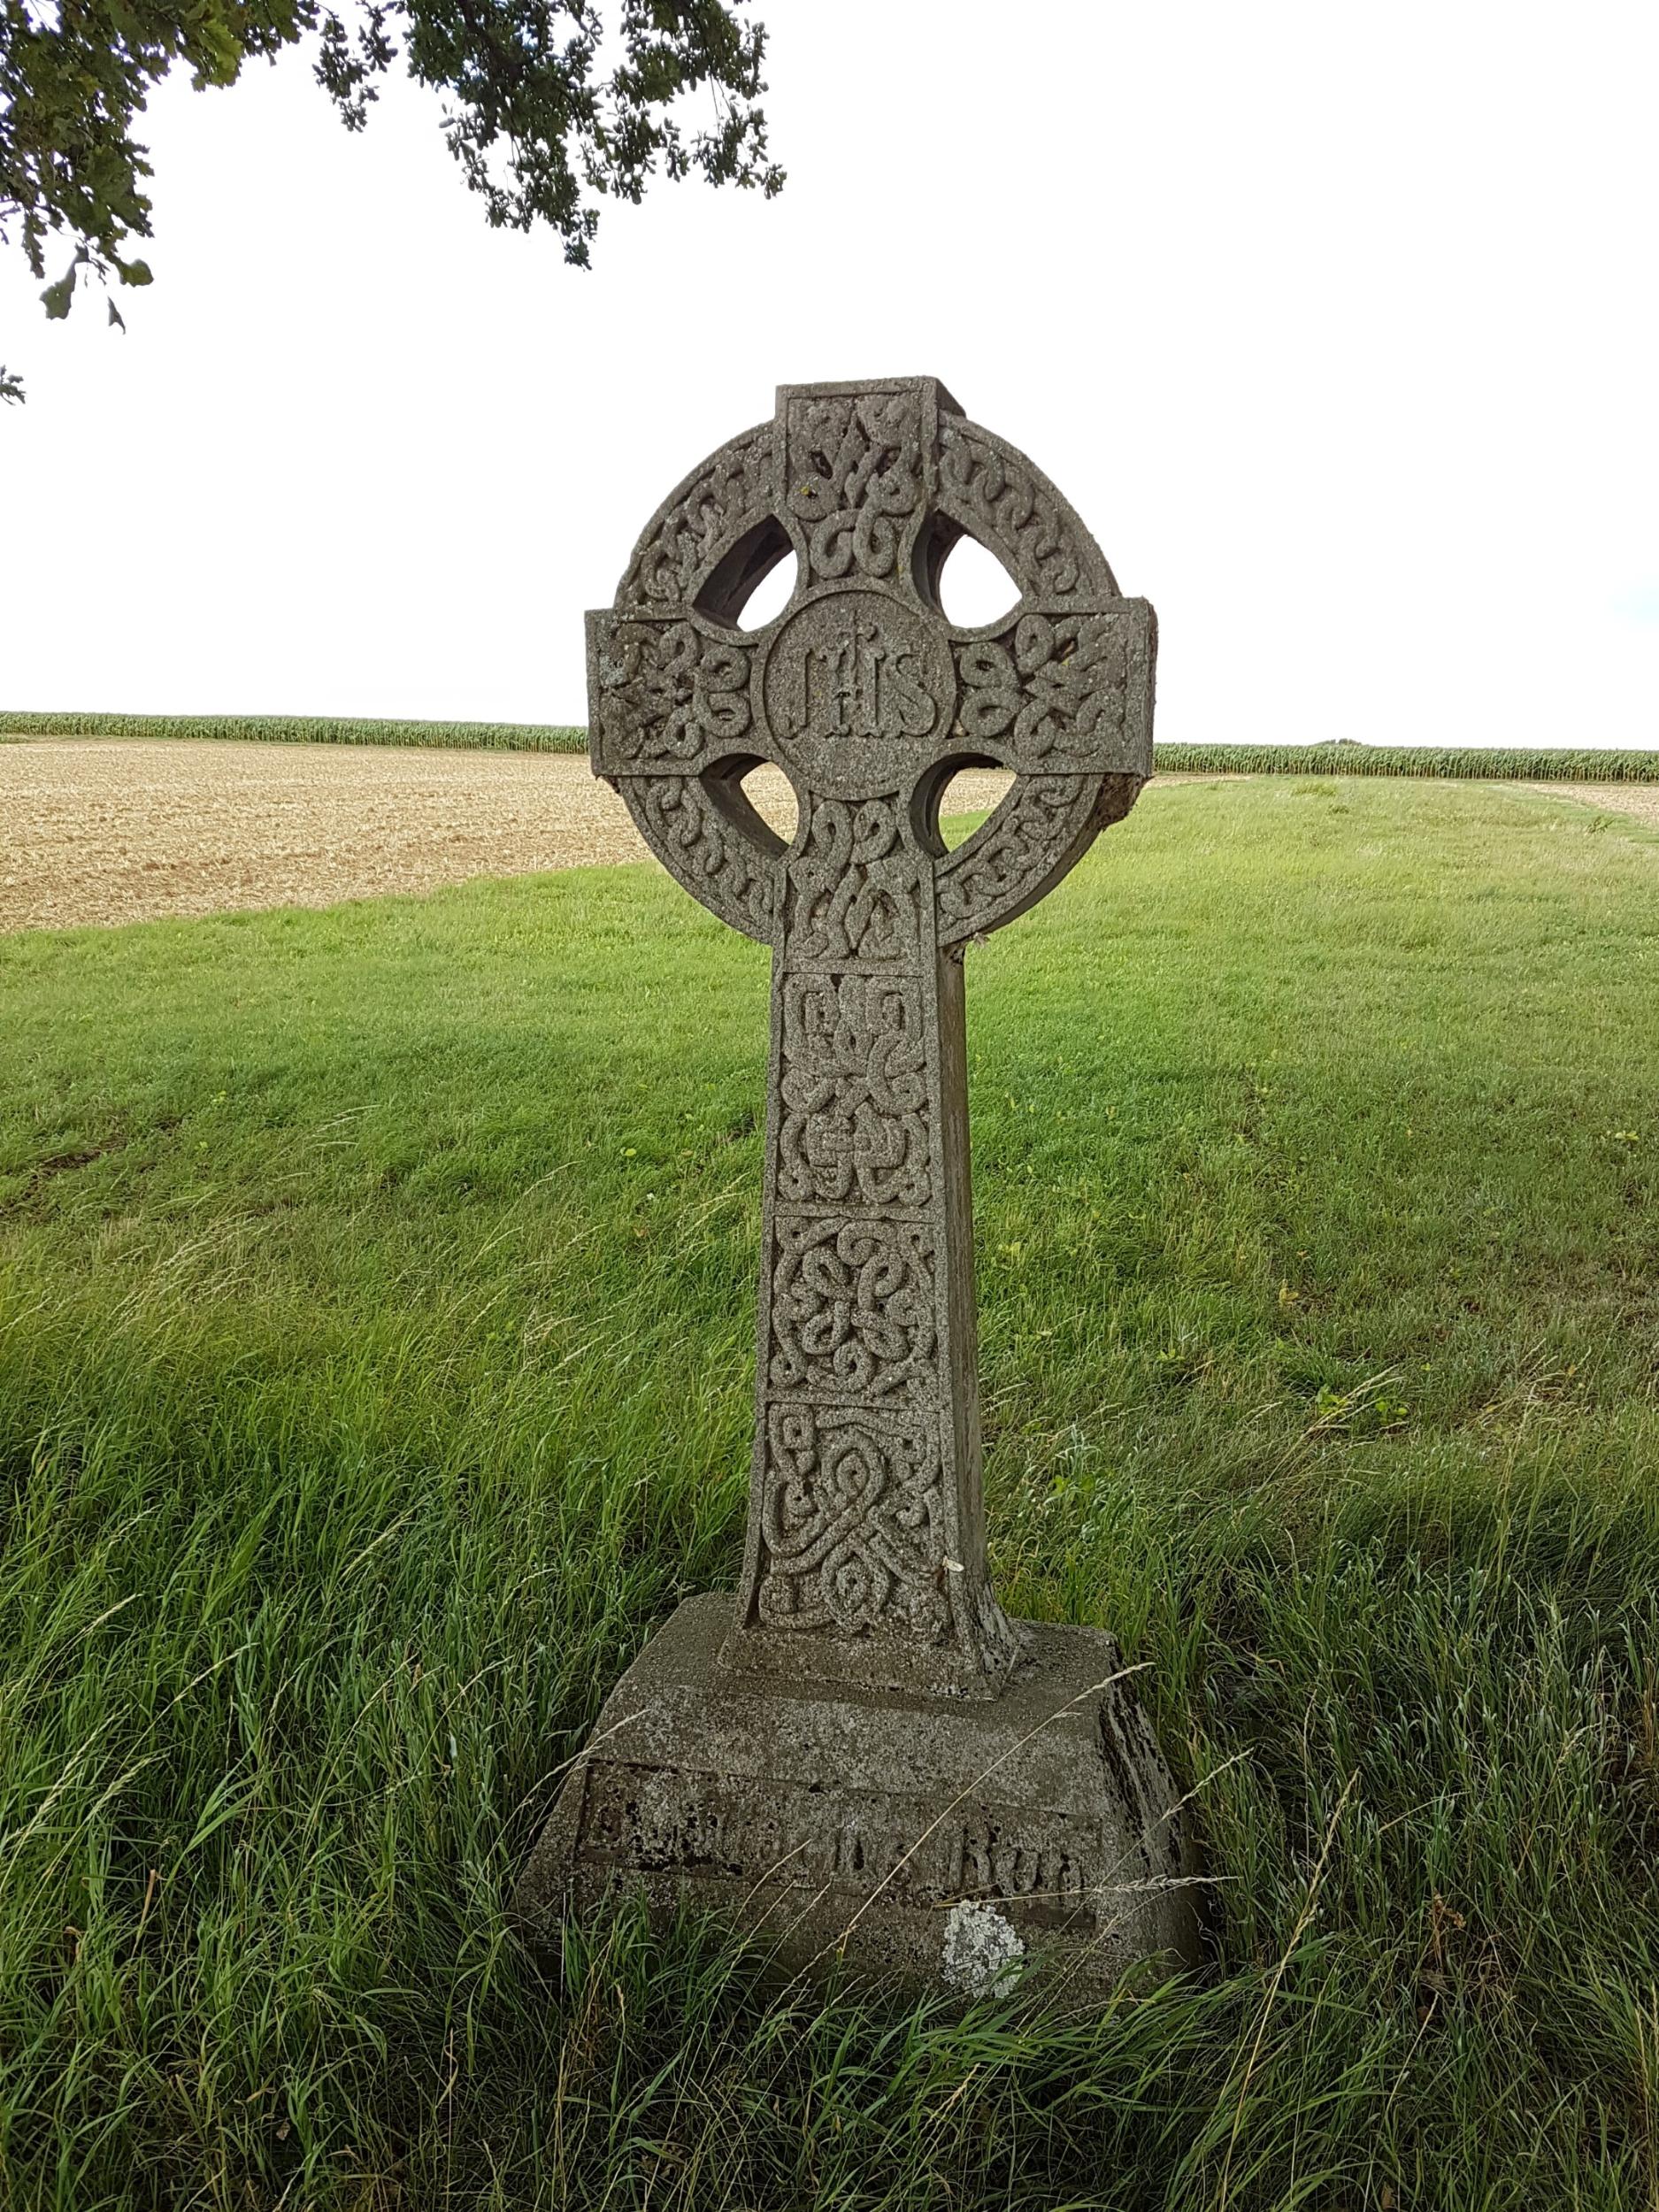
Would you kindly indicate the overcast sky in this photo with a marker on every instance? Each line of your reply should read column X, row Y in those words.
column 1338, row 327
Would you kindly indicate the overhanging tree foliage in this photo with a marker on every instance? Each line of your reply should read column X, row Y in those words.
column 543, row 124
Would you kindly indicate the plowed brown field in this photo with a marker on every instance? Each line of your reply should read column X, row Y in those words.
column 123, row 831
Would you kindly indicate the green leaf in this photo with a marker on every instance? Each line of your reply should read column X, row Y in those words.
column 56, row 297
column 115, row 316
column 133, row 272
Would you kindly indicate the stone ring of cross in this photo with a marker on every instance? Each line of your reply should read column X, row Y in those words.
column 861, row 690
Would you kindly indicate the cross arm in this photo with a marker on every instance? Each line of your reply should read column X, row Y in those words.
column 672, row 731
column 1064, row 698
column 666, row 696
column 1063, row 692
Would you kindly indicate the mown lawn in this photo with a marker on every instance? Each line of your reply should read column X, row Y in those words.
column 375, row 1313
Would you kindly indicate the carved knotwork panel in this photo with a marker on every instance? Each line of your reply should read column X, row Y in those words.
column 857, row 888
column 853, row 1091
column 1063, row 692
column 852, row 1515
column 858, row 1538
column 855, row 469
column 854, row 1308
column 667, row 696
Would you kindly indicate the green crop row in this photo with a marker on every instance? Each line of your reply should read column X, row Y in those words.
column 1525, row 764
column 301, row 729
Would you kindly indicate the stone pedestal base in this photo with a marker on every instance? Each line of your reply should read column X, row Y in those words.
column 941, row 1843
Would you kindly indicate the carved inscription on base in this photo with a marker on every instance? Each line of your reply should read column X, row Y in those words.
column 655, row 1819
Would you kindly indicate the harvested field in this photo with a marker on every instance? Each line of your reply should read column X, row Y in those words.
column 108, row 831
column 1639, row 799
column 95, row 830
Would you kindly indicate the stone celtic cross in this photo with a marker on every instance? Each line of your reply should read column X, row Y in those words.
column 866, row 1758
column 865, row 1558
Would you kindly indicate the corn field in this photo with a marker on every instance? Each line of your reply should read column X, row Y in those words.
column 301, row 729
column 1526, row 763
column 1523, row 764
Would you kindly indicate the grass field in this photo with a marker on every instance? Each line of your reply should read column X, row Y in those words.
column 375, row 1311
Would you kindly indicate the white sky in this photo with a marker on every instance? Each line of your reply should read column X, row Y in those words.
column 1337, row 326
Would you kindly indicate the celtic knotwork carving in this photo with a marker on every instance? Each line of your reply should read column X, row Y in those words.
column 852, row 1517
column 697, row 522
column 1054, row 687
column 854, row 1088
column 1000, row 497
column 854, row 478
column 866, row 697
column 666, row 694
column 855, row 886
column 853, row 1309
column 1029, row 842
column 708, row 853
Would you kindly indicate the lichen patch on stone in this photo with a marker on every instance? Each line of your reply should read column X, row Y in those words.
column 983, row 1953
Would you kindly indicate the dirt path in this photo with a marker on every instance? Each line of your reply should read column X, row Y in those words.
column 106, row 831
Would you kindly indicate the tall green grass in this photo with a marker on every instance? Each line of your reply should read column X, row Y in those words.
column 375, row 1308
column 1523, row 764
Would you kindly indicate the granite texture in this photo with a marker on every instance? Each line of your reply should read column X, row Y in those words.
column 864, row 1572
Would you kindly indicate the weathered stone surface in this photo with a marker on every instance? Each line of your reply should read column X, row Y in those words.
column 842, row 1824
column 864, row 1573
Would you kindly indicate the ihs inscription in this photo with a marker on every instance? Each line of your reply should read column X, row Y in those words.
column 849, row 676
column 853, row 688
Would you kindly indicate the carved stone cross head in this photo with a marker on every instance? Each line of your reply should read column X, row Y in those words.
column 865, row 1559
